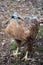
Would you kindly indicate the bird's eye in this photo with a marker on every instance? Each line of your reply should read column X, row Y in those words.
column 19, row 18
column 12, row 17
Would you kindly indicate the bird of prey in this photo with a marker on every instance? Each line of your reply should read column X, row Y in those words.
column 24, row 31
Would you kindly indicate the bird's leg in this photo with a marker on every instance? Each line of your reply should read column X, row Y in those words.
column 16, row 52
column 26, row 56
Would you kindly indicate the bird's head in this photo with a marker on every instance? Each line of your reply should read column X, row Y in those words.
column 36, row 21
column 16, row 16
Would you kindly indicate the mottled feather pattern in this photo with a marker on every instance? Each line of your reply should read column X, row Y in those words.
column 23, row 31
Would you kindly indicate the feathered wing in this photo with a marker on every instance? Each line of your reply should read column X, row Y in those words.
column 18, row 30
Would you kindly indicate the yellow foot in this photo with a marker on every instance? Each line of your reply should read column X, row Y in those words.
column 16, row 52
column 26, row 58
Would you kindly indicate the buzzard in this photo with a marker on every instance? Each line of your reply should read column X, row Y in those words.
column 24, row 31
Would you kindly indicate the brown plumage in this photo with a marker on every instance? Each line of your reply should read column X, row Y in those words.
column 23, row 32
